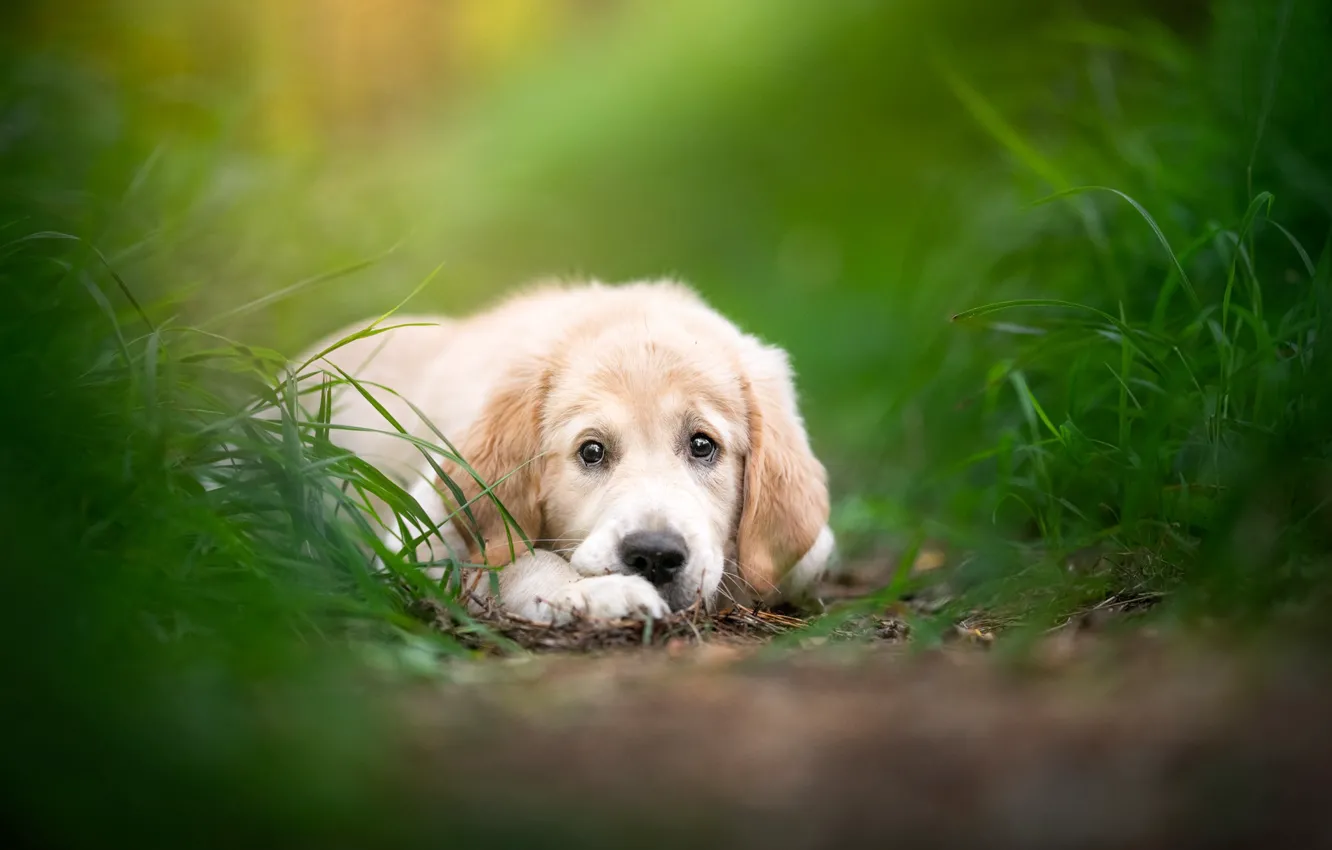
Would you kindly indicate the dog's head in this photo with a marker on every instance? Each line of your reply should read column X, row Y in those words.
column 657, row 441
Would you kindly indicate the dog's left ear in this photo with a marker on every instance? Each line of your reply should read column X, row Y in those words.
column 785, row 508
column 503, row 447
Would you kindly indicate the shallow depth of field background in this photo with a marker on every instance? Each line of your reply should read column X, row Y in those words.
column 818, row 174
column 841, row 178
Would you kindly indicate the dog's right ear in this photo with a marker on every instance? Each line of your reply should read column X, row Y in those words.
column 502, row 447
column 785, row 510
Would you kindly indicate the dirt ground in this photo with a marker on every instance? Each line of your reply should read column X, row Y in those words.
column 1138, row 741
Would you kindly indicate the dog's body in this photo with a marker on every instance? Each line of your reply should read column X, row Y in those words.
column 649, row 449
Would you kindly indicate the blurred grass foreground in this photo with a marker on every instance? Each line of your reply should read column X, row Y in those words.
column 1053, row 276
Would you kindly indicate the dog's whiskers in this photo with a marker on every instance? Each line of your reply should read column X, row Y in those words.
column 722, row 591
column 736, row 576
column 741, row 584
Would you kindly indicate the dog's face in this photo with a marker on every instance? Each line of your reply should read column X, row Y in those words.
column 644, row 464
column 666, row 443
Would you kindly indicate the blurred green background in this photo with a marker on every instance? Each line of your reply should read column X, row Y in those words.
column 810, row 170
column 841, row 178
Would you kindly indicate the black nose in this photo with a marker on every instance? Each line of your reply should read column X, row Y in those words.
column 655, row 555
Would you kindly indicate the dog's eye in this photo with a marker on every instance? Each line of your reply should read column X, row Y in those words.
column 591, row 453
column 702, row 447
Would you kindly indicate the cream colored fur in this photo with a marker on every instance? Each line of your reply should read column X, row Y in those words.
column 639, row 368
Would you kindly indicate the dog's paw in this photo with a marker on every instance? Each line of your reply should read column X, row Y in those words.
column 612, row 597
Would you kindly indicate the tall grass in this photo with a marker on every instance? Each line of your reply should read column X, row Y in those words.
column 1164, row 435
column 196, row 595
column 1152, row 436
column 245, row 437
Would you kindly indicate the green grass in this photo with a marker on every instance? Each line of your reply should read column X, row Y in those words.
column 155, row 625
column 989, row 355
column 1151, row 426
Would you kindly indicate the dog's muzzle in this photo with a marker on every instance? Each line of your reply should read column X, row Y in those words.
column 657, row 556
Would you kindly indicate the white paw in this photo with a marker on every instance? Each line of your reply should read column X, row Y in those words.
column 612, row 597
column 814, row 565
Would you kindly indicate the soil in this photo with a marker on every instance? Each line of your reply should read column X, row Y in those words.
column 1146, row 745
column 703, row 729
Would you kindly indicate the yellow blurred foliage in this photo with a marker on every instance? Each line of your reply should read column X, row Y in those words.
column 316, row 66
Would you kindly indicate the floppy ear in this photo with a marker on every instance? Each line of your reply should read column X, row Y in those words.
column 503, row 446
column 785, row 507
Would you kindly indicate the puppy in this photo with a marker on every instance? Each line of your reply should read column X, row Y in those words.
column 652, row 453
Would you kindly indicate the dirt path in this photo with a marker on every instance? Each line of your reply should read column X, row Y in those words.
column 1136, row 745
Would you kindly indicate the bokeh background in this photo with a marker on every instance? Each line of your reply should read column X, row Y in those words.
column 816, row 172
column 841, row 178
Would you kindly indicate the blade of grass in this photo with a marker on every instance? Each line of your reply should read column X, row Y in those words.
column 1146, row 216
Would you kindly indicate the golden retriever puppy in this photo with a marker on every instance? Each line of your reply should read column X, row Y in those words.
column 652, row 452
